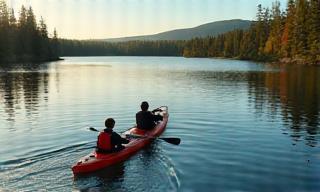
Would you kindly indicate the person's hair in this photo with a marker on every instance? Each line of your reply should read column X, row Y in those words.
column 109, row 123
column 144, row 106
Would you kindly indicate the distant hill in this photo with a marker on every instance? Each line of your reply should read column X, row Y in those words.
column 209, row 29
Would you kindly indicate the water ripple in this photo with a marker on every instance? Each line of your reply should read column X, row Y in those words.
column 244, row 126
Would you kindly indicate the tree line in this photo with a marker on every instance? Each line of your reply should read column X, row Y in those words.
column 130, row 48
column 292, row 35
column 24, row 39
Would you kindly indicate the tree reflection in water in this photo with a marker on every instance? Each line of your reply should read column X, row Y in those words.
column 296, row 90
column 291, row 92
column 22, row 88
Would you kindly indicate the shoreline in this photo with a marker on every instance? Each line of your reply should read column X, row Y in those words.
column 279, row 61
column 25, row 62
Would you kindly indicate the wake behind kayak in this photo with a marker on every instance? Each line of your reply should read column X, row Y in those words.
column 95, row 161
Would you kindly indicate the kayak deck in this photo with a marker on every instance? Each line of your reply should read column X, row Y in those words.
column 95, row 161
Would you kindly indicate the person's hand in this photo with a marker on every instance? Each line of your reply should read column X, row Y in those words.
column 157, row 110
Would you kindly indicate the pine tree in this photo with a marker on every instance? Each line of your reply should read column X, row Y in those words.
column 287, row 40
column 33, row 35
column 300, row 45
column 55, row 45
column 248, row 48
column 4, row 30
column 12, row 35
column 4, row 14
column 21, row 42
column 273, row 44
column 12, row 18
column 260, row 35
column 314, row 31
column 43, row 28
column 23, row 17
column 31, row 20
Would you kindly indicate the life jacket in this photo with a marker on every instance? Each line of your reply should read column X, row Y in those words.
column 104, row 141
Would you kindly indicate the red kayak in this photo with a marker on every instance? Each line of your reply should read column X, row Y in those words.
column 95, row 161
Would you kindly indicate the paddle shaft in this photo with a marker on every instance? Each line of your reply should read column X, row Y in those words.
column 174, row 141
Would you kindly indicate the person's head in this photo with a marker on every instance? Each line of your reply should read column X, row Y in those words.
column 144, row 106
column 109, row 123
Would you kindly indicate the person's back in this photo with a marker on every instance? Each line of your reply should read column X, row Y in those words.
column 109, row 141
column 145, row 119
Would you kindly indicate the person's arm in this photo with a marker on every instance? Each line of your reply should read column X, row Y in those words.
column 117, row 139
column 137, row 118
column 156, row 110
column 159, row 118
column 124, row 140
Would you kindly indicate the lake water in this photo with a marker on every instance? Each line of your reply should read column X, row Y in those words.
column 244, row 126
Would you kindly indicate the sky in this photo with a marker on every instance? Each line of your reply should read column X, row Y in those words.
column 101, row 19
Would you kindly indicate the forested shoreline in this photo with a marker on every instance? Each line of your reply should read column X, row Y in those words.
column 290, row 35
column 130, row 48
column 24, row 39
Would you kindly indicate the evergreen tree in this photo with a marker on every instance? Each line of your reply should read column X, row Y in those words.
column 12, row 36
column 23, row 17
column 273, row 44
column 42, row 40
column 23, row 40
column 314, row 31
column 262, row 28
column 4, row 30
column 300, row 32
column 287, row 40
column 21, row 43
column 32, row 34
column 12, row 18
column 55, row 45
column 4, row 14
column 43, row 29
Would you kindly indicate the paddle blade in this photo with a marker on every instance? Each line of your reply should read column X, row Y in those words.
column 174, row 141
column 93, row 129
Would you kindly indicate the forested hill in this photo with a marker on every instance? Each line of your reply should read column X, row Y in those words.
column 209, row 29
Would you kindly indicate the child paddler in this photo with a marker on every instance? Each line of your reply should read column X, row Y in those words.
column 108, row 140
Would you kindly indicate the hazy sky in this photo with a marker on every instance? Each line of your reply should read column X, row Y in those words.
column 92, row 19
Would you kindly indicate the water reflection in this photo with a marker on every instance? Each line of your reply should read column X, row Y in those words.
column 106, row 179
column 289, row 92
column 23, row 88
column 295, row 93
column 230, row 118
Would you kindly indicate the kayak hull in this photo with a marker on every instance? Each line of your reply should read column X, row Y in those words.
column 95, row 161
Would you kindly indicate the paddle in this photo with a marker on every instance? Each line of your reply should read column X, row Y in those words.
column 172, row 140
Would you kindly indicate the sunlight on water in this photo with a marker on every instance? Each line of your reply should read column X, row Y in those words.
column 244, row 126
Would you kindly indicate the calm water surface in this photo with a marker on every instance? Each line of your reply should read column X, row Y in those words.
column 244, row 126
